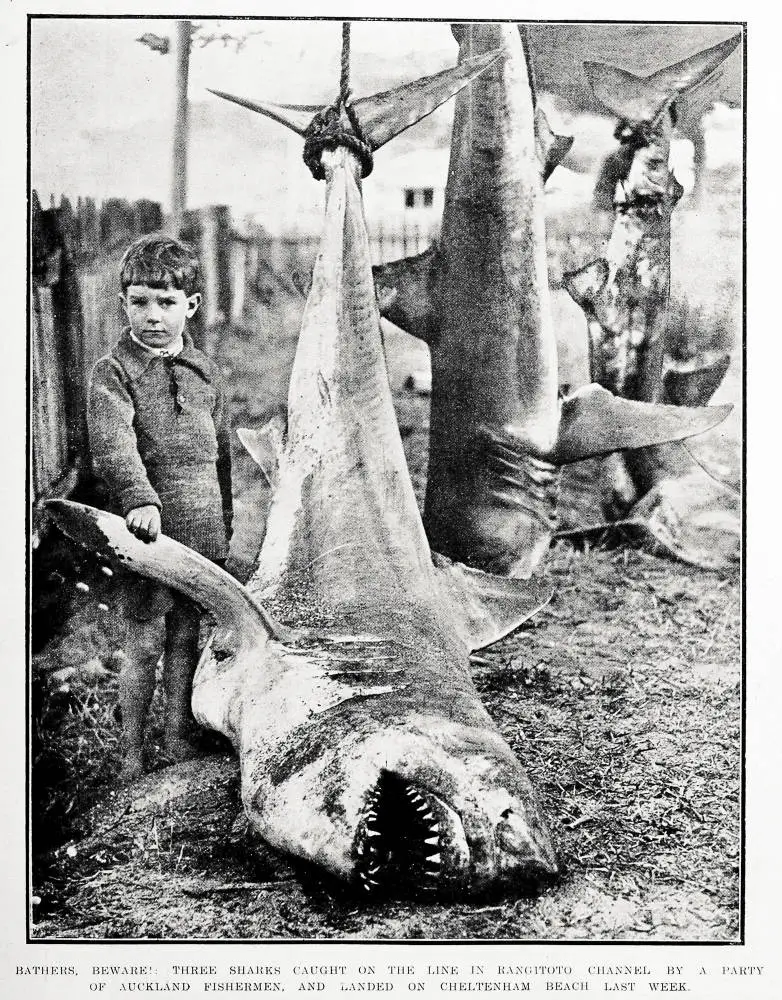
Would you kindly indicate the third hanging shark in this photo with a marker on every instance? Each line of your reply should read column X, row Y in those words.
column 624, row 294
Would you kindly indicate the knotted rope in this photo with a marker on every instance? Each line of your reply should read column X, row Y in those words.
column 638, row 134
column 326, row 130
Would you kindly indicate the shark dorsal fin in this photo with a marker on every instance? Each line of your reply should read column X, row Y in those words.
column 383, row 115
column 595, row 422
column 172, row 564
column 488, row 607
column 643, row 98
column 551, row 148
column 265, row 446
column 407, row 293
column 585, row 284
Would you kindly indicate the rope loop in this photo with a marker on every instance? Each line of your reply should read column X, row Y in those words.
column 636, row 135
column 326, row 130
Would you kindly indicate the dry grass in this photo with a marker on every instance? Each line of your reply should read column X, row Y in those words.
column 622, row 699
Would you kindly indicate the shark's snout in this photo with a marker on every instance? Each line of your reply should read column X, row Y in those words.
column 410, row 842
column 519, row 850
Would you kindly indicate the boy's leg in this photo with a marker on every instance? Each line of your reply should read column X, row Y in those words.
column 136, row 688
column 144, row 606
column 179, row 663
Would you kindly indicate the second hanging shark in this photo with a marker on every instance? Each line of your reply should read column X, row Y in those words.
column 480, row 300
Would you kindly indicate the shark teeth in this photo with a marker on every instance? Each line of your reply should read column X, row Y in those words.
column 398, row 839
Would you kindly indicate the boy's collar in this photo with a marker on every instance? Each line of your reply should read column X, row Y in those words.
column 136, row 361
column 160, row 352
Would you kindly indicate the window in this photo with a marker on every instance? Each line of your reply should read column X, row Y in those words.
column 419, row 197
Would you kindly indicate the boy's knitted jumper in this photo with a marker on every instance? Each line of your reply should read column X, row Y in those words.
column 159, row 435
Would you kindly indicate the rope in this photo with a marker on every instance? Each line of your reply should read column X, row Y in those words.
column 638, row 134
column 326, row 130
column 344, row 76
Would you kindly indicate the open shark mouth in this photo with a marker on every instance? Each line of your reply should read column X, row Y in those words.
column 408, row 839
column 410, row 843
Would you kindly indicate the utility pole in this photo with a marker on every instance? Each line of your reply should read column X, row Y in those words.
column 184, row 31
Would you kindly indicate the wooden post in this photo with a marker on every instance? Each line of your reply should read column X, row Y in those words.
column 181, row 128
column 698, row 162
column 238, row 278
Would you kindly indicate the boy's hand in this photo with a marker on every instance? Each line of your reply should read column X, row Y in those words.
column 144, row 522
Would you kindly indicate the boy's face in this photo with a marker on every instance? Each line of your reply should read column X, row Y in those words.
column 157, row 316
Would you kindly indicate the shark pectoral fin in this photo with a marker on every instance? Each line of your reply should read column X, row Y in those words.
column 171, row 564
column 595, row 422
column 385, row 115
column 551, row 148
column 487, row 607
column 407, row 293
column 586, row 284
column 693, row 517
column 642, row 99
column 266, row 446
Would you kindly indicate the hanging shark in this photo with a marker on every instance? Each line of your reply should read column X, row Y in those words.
column 340, row 672
column 480, row 299
column 624, row 295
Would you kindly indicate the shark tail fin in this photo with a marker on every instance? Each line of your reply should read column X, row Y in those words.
column 171, row 564
column 265, row 446
column 551, row 148
column 383, row 115
column 595, row 422
column 488, row 607
column 407, row 293
column 643, row 99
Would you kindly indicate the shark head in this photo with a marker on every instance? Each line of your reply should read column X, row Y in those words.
column 371, row 756
column 364, row 748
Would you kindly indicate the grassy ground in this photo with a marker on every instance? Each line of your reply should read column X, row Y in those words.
column 622, row 699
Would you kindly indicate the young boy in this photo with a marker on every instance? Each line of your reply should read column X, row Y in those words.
column 159, row 439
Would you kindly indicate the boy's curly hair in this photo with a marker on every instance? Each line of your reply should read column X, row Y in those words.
column 159, row 260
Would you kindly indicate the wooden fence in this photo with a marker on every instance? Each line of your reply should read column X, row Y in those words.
column 75, row 315
column 385, row 244
column 74, row 318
